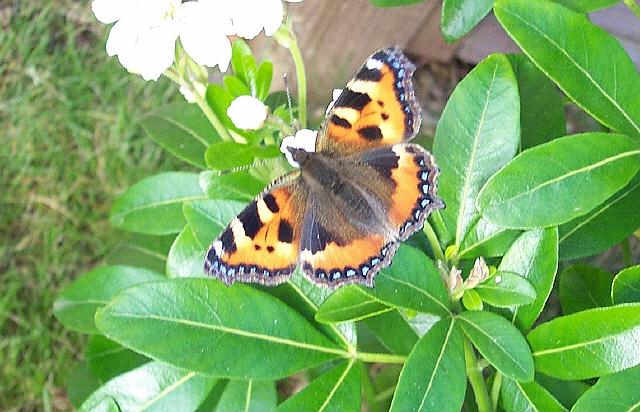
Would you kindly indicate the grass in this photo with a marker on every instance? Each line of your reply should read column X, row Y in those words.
column 69, row 144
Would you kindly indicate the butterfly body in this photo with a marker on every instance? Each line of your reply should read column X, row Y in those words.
column 341, row 216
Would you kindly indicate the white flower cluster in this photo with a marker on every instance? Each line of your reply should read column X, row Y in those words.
column 145, row 31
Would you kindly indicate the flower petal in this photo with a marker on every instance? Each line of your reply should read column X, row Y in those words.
column 109, row 11
column 202, row 28
column 247, row 112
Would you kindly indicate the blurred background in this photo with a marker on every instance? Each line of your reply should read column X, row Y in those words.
column 70, row 144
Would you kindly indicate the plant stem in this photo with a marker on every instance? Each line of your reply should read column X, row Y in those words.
column 433, row 241
column 436, row 217
column 301, row 78
column 495, row 390
column 633, row 6
column 380, row 357
column 202, row 104
column 474, row 373
column 627, row 258
column 368, row 389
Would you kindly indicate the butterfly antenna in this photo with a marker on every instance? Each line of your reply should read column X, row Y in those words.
column 286, row 88
column 243, row 168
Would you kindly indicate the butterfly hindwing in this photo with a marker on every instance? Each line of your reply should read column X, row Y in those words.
column 262, row 243
column 377, row 107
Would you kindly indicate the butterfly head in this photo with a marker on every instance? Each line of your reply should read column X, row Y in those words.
column 297, row 148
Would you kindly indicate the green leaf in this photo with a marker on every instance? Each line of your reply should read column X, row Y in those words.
column 263, row 80
column 459, row 17
column 471, row 300
column 433, row 378
column 394, row 3
column 584, row 287
column 349, row 304
column 219, row 100
column 401, row 285
column 506, row 289
column 588, row 64
column 75, row 307
column 228, row 155
column 206, row 323
column 248, row 396
column 566, row 392
column 533, row 256
column 235, row 86
column 144, row 251
column 615, row 219
column 208, row 218
column 484, row 238
column 336, row 390
column 539, row 99
column 243, row 64
column 626, row 286
column 527, row 397
column 107, row 359
column 478, row 133
column 182, row 130
column 186, row 256
column 393, row 331
column 154, row 387
column 573, row 173
column 588, row 344
column 231, row 186
column 614, row 393
column 153, row 206
column 586, row 6
column 80, row 384
column 500, row 343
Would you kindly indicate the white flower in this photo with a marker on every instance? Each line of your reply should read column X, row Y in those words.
column 250, row 17
column 304, row 139
column 247, row 112
column 336, row 94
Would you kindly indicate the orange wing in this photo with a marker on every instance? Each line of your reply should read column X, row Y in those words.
column 262, row 243
column 377, row 108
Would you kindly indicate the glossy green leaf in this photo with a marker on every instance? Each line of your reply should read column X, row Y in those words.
column 486, row 239
column 614, row 393
column 459, row 17
column 248, row 396
column 584, row 287
column 208, row 218
column 539, row 99
column 186, row 256
column 534, row 256
column 75, row 307
column 154, row 387
column 401, row 285
column 393, row 331
column 224, row 156
column 566, row 392
column 153, row 206
column 588, row 64
column 336, row 390
column 500, row 343
column 235, row 86
column 394, row 3
column 107, row 359
column 588, row 344
column 478, row 133
column 231, row 186
column 506, row 289
column 471, row 300
column 527, row 397
column 350, row 304
column 142, row 251
column 243, row 63
column 203, row 323
column 182, row 130
column 586, row 6
column 433, row 378
column 219, row 99
column 573, row 173
column 263, row 80
column 80, row 384
column 615, row 219
column 626, row 286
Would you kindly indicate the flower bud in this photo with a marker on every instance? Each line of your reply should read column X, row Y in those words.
column 247, row 112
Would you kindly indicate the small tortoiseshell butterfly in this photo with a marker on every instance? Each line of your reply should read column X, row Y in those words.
column 364, row 190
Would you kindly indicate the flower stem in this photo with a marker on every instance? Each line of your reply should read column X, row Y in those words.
column 301, row 78
column 474, row 373
column 633, row 6
column 380, row 357
column 495, row 390
column 202, row 104
column 433, row 241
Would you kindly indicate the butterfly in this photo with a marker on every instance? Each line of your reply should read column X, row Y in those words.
column 342, row 215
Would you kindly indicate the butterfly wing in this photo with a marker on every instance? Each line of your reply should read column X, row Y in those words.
column 262, row 243
column 377, row 108
column 400, row 183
